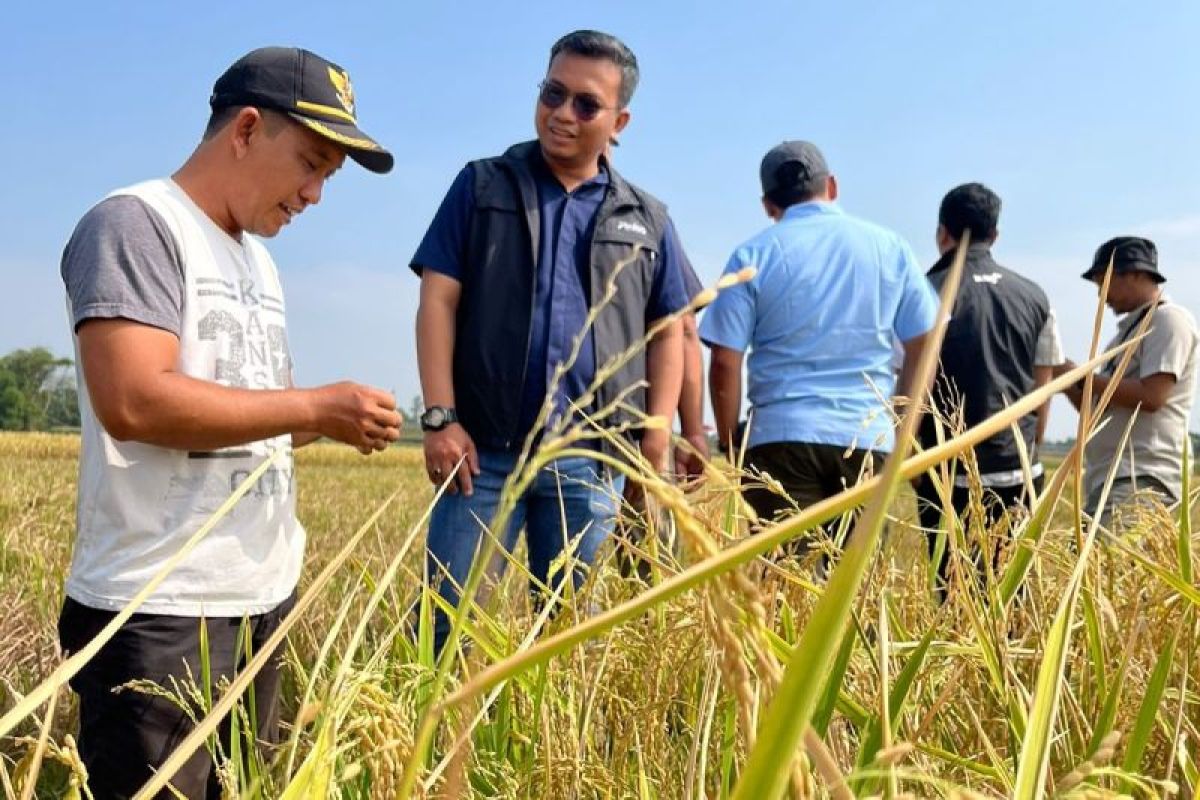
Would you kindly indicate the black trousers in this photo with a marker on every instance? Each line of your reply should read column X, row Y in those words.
column 808, row 473
column 997, row 500
column 124, row 735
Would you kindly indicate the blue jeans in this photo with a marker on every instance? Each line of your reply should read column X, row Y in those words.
column 571, row 500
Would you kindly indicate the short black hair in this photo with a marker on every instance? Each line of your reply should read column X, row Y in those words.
column 972, row 207
column 219, row 118
column 597, row 44
column 795, row 185
column 223, row 115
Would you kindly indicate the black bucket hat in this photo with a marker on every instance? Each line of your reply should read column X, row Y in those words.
column 1128, row 254
column 311, row 90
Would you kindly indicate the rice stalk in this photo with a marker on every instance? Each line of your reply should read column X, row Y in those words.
column 195, row 739
column 1034, row 761
column 69, row 668
column 750, row 548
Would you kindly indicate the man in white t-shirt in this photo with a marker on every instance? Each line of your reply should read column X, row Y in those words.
column 1158, row 384
column 180, row 339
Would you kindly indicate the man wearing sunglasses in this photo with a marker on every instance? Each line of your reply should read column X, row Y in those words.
column 522, row 247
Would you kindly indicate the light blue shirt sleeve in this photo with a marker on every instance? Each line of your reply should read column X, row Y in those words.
column 918, row 307
column 729, row 321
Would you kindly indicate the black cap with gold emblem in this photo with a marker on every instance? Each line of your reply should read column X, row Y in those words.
column 314, row 92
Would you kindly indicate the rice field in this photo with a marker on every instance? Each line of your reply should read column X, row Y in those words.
column 683, row 679
column 698, row 659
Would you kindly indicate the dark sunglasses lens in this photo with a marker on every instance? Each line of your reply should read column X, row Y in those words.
column 586, row 107
column 552, row 95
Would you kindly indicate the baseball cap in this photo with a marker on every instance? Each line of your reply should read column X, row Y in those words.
column 311, row 90
column 808, row 163
column 1128, row 254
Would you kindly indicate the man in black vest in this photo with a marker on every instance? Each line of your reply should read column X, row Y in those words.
column 1001, row 343
column 522, row 246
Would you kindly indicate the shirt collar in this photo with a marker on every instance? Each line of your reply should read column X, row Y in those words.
column 978, row 254
column 811, row 208
column 1126, row 322
column 541, row 171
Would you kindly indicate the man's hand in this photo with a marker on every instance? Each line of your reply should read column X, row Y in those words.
column 360, row 416
column 656, row 444
column 138, row 394
column 443, row 450
column 1062, row 369
column 689, row 461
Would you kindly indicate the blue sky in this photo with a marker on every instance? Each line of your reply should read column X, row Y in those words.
column 1083, row 116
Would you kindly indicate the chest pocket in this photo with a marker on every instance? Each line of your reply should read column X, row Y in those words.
column 501, row 247
column 627, row 249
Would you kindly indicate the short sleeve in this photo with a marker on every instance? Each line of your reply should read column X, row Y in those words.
column 1049, row 352
column 123, row 262
column 668, row 292
column 1169, row 344
column 918, row 307
column 444, row 246
column 691, row 281
column 729, row 321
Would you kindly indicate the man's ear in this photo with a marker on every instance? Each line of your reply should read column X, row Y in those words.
column 245, row 125
column 623, row 117
column 831, row 187
column 945, row 242
column 773, row 211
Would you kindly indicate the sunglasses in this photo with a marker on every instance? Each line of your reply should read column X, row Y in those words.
column 553, row 94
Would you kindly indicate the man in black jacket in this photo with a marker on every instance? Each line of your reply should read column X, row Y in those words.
column 522, row 246
column 1000, row 344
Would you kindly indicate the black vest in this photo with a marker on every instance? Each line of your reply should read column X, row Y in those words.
column 491, row 352
column 988, row 354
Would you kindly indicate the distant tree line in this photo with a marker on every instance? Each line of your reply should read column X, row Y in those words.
column 37, row 391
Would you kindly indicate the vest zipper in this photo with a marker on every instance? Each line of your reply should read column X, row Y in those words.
column 533, row 249
column 602, row 215
column 525, row 366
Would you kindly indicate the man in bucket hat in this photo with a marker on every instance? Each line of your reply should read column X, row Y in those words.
column 1159, row 383
column 180, row 340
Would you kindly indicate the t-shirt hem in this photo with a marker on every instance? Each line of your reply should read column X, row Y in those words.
column 834, row 440
column 124, row 311
column 419, row 267
column 711, row 340
column 919, row 329
column 223, row 608
column 1162, row 366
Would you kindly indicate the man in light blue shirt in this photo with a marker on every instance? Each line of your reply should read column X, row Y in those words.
column 819, row 317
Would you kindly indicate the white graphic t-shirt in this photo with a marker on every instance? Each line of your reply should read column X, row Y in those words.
column 149, row 254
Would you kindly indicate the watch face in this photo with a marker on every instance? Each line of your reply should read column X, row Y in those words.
column 435, row 417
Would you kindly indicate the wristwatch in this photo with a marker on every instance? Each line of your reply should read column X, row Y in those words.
column 436, row 418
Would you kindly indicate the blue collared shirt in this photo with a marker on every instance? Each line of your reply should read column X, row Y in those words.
column 819, row 319
column 562, row 289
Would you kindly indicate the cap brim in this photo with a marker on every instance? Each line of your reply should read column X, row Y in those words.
column 362, row 148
